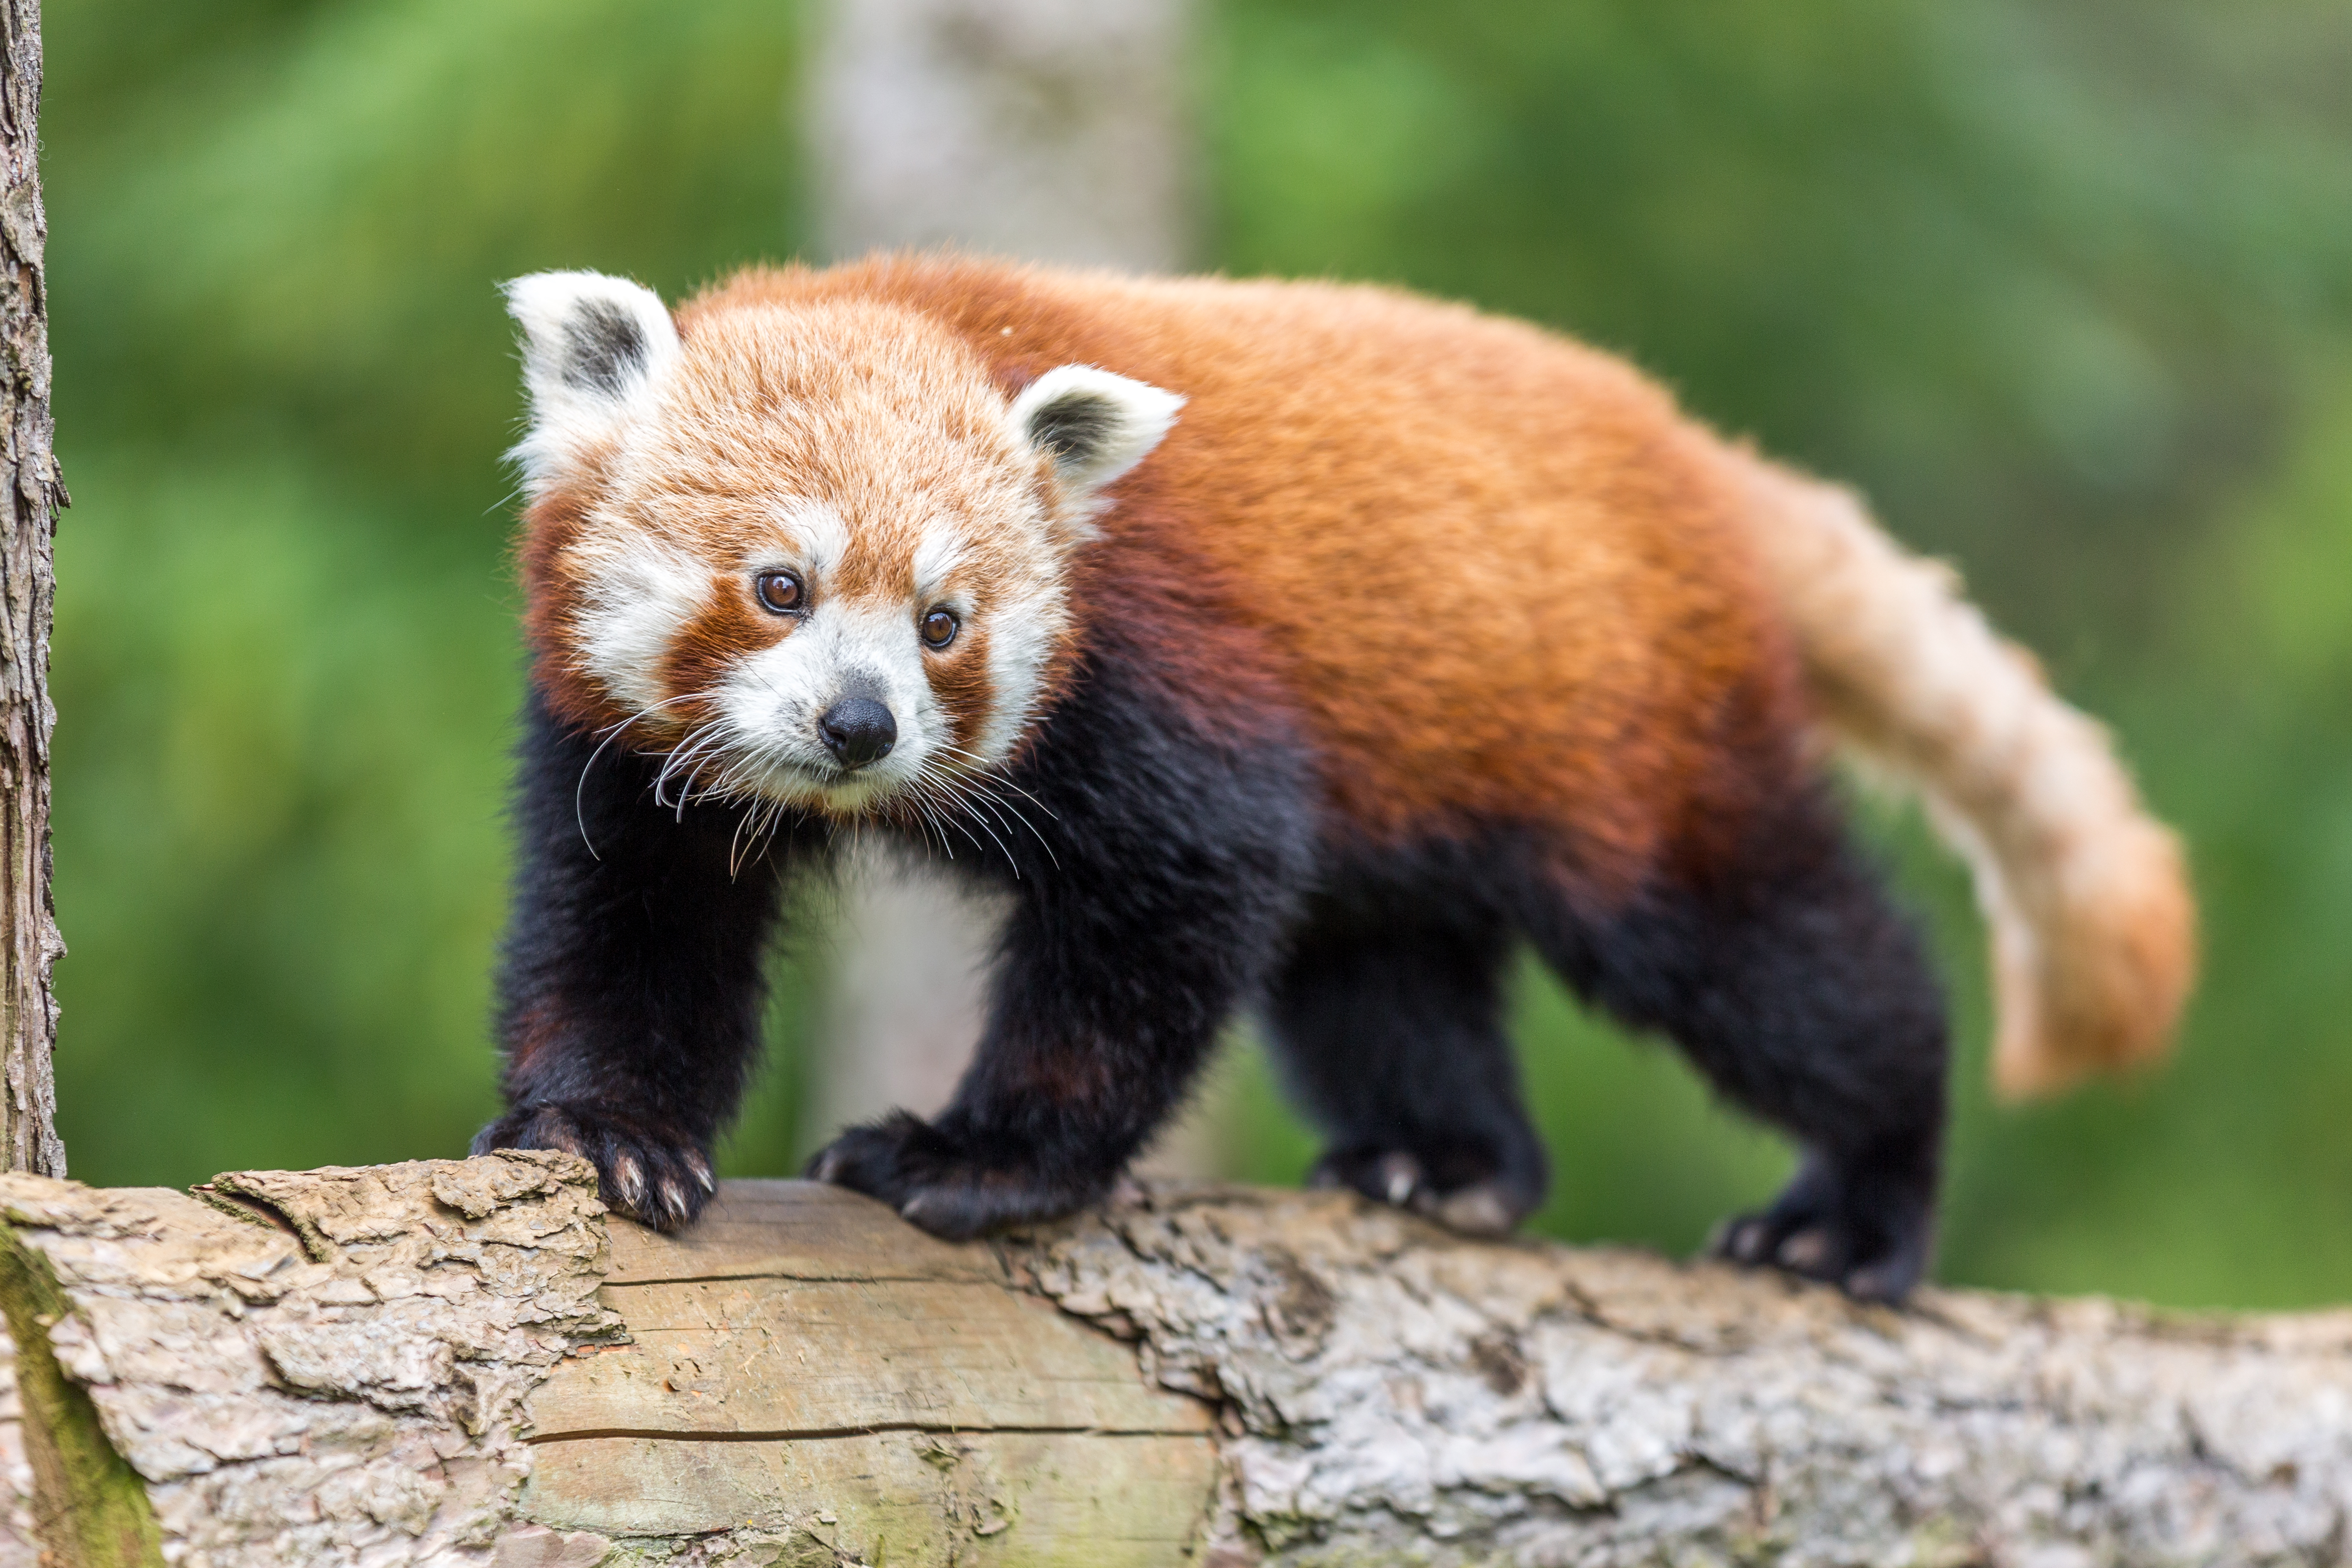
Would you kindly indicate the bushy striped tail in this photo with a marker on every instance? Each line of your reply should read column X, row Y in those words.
column 2094, row 927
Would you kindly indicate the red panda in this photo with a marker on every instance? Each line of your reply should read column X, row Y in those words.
column 1287, row 646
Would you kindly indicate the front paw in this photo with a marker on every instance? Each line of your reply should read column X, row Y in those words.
column 1468, row 1197
column 942, row 1184
column 654, row 1174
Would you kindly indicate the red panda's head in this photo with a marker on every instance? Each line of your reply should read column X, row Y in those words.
column 811, row 552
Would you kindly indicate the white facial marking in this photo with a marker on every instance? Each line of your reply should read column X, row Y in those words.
column 637, row 599
column 936, row 555
column 816, row 532
column 772, row 699
column 601, row 356
column 1022, row 634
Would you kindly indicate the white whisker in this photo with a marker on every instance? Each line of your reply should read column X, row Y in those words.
column 604, row 739
column 965, row 806
column 986, row 769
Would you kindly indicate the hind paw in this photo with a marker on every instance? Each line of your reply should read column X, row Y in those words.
column 1868, row 1233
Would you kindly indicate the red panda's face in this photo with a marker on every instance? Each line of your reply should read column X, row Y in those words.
column 812, row 555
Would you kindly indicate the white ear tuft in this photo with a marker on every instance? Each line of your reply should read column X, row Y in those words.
column 1095, row 425
column 593, row 347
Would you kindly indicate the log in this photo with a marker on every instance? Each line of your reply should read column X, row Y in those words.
column 467, row 1361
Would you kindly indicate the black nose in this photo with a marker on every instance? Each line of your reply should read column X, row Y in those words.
column 859, row 731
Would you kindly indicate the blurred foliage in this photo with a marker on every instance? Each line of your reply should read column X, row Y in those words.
column 2066, row 285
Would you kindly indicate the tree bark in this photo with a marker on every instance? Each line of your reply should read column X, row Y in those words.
column 29, row 944
column 462, row 1362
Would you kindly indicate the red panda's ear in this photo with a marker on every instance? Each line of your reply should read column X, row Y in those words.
column 593, row 348
column 1095, row 425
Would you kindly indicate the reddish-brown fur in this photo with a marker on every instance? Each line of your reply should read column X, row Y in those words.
column 1497, row 573
column 1418, row 633
column 729, row 456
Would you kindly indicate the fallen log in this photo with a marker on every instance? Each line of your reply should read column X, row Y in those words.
column 465, row 1361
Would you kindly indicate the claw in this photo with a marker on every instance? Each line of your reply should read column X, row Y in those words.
column 1478, row 1210
column 1869, row 1232
column 1878, row 1282
column 629, row 1180
column 641, row 1164
column 1399, row 1174
column 1742, row 1240
column 1807, row 1252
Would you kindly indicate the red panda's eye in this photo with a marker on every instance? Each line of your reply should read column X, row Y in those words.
column 939, row 630
column 779, row 591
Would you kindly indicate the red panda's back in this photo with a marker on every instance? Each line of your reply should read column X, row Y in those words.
column 1500, row 575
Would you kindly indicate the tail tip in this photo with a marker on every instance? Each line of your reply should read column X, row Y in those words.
column 2102, row 994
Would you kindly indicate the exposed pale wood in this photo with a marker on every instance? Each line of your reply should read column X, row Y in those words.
column 30, row 496
column 801, row 1308
column 861, row 1370
column 787, row 1357
column 344, row 1367
column 797, row 1230
column 1061, row 1498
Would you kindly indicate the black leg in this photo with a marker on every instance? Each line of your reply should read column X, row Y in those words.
column 631, row 991
column 1390, row 1028
column 1178, row 849
column 1794, row 985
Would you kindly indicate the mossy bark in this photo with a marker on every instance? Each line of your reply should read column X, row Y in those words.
column 90, row 1506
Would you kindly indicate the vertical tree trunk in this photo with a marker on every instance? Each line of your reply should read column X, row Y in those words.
column 28, row 478
column 1054, row 130
column 1048, row 129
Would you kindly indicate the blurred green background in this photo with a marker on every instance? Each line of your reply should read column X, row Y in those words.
column 2066, row 285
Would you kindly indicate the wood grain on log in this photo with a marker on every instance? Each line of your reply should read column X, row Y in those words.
column 450, row 1362
column 796, row 1358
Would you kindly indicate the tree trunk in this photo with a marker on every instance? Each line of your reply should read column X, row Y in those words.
column 29, row 476
column 1048, row 128
column 459, row 1362
column 1054, row 130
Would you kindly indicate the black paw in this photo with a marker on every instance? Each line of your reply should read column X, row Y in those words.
column 937, row 1183
column 653, row 1175
column 1868, row 1233
column 1471, row 1198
